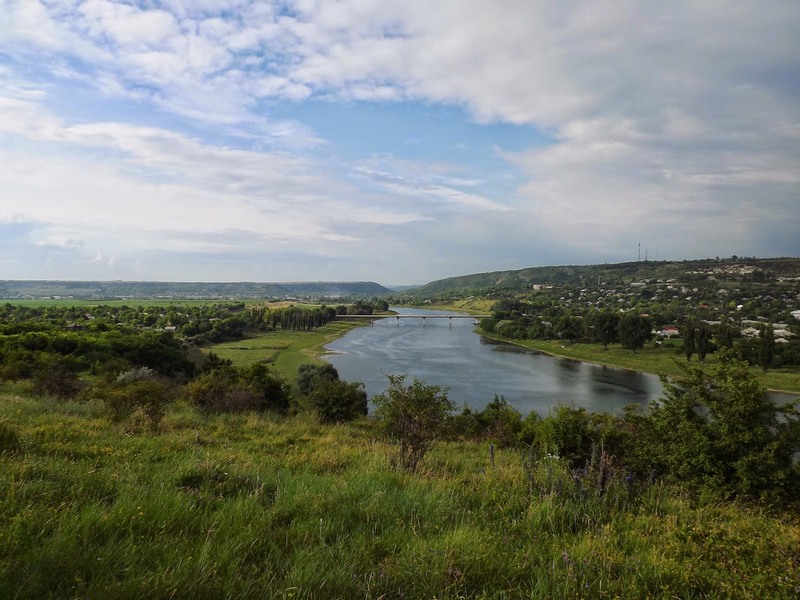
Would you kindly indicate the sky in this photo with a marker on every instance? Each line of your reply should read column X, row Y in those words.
column 392, row 141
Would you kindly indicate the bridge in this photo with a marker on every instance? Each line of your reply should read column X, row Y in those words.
column 372, row 318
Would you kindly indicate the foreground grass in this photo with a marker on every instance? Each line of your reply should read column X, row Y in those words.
column 653, row 359
column 252, row 506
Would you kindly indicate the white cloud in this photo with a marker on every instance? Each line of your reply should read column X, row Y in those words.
column 661, row 118
column 101, row 189
column 425, row 187
column 128, row 25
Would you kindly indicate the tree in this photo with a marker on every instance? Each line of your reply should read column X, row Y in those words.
column 716, row 432
column 703, row 340
column 604, row 327
column 414, row 415
column 310, row 375
column 272, row 390
column 338, row 401
column 766, row 347
column 725, row 335
column 689, row 338
column 569, row 328
column 634, row 331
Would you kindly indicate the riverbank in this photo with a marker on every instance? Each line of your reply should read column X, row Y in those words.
column 652, row 359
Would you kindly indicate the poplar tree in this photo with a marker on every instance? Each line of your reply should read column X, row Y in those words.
column 703, row 340
column 689, row 338
column 766, row 347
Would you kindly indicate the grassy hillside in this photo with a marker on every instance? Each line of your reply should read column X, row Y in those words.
column 255, row 506
column 607, row 274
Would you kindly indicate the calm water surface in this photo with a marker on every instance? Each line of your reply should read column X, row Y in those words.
column 454, row 356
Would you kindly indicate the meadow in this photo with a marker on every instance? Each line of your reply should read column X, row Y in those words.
column 283, row 350
column 266, row 506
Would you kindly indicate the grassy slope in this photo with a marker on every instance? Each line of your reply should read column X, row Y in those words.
column 255, row 506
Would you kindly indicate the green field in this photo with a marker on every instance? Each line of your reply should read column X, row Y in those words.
column 258, row 506
column 286, row 350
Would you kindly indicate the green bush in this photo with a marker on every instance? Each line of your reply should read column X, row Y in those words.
column 272, row 390
column 232, row 389
column 498, row 423
column 567, row 432
column 415, row 416
column 138, row 390
column 309, row 375
column 56, row 377
column 501, row 422
column 338, row 401
column 716, row 432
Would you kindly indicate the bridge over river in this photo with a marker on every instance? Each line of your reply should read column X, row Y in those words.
column 372, row 318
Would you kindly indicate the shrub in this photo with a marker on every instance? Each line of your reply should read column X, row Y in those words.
column 716, row 432
column 56, row 377
column 580, row 437
column 272, row 390
column 232, row 389
column 529, row 430
column 567, row 432
column 139, row 390
column 310, row 375
column 220, row 390
column 338, row 401
column 499, row 423
column 414, row 415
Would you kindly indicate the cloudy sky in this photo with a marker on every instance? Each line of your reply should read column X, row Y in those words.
column 393, row 141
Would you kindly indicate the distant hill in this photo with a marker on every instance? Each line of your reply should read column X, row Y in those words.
column 104, row 290
column 612, row 274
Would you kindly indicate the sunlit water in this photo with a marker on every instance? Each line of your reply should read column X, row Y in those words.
column 452, row 355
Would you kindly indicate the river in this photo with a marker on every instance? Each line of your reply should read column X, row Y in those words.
column 452, row 355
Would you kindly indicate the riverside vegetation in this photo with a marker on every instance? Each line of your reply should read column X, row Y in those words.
column 130, row 470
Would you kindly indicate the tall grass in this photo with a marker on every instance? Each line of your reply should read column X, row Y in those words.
column 260, row 506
